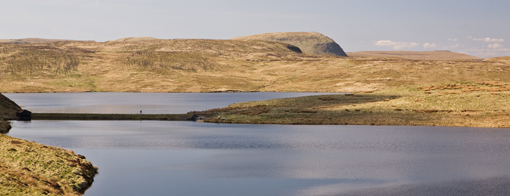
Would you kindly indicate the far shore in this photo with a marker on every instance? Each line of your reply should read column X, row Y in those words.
column 484, row 104
column 454, row 104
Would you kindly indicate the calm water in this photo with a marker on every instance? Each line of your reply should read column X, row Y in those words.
column 129, row 103
column 188, row 158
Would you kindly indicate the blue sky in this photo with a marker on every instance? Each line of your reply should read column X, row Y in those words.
column 479, row 28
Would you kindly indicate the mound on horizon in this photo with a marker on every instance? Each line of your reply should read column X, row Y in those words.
column 414, row 55
column 502, row 58
column 308, row 42
column 33, row 40
column 134, row 39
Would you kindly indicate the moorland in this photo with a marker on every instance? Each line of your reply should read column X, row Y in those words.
column 390, row 88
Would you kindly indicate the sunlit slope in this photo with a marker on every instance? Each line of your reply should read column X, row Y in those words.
column 308, row 42
column 146, row 65
column 415, row 55
column 502, row 59
column 193, row 65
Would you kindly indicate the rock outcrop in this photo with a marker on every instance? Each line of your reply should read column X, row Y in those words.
column 308, row 42
column 7, row 112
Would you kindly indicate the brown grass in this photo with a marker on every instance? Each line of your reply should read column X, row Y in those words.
column 395, row 106
column 427, row 55
column 153, row 65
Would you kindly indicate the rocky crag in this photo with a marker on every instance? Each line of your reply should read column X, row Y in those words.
column 308, row 42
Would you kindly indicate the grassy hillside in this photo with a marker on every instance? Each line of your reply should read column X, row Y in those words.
column 308, row 42
column 395, row 91
column 142, row 66
column 214, row 65
column 438, row 55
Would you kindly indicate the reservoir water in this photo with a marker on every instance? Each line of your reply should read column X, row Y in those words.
column 128, row 103
column 189, row 158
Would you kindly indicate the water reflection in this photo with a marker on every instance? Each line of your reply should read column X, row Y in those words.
column 185, row 158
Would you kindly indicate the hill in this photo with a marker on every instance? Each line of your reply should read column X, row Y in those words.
column 503, row 59
column 198, row 65
column 426, row 55
column 308, row 42
column 134, row 39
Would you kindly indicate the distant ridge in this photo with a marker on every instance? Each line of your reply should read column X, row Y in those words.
column 308, row 42
column 502, row 58
column 134, row 39
column 35, row 40
column 416, row 55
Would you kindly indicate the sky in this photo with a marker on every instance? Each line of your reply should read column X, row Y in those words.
column 474, row 27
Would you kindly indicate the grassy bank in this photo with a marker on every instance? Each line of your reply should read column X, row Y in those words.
column 485, row 104
column 28, row 168
column 78, row 116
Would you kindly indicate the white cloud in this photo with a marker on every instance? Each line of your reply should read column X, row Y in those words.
column 488, row 49
column 487, row 39
column 452, row 40
column 495, row 46
column 396, row 45
column 429, row 45
column 492, row 50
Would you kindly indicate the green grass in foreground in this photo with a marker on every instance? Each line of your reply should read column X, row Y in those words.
column 29, row 168
column 455, row 104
